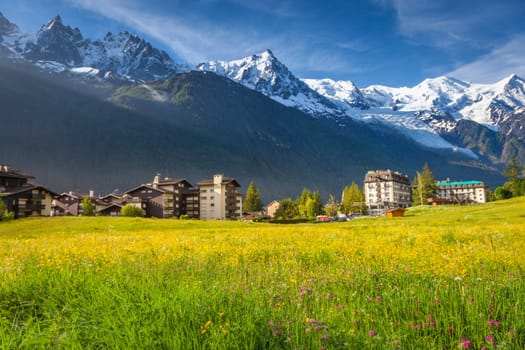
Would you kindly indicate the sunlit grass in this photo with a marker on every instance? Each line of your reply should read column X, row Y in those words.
column 443, row 277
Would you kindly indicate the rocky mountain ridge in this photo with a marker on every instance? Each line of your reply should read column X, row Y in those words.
column 60, row 48
column 484, row 122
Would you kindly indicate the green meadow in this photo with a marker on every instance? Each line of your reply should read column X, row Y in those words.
column 440, row 278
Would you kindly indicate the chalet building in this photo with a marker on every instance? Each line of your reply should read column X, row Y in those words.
column 111, row 198
column 219, row 198
column 165, row 198
column 67, row 204
column 462, row 192
column 22, row 197
column 386, row 189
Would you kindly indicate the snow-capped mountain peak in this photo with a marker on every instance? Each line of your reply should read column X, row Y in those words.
column 60, row 48
column 343, row 91
column 57, row 20
column 264, row 73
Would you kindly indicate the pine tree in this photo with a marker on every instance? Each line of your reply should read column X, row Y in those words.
column 513, row 172
column 424, row 186
column 252, row 201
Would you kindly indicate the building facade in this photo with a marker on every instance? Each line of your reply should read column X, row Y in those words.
column 386, row 189
column 22, row 197
column 67, row 204
column 219, row 198
column 165, row 198
column 461, row 192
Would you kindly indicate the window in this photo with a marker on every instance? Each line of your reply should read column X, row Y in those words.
column 212, row 204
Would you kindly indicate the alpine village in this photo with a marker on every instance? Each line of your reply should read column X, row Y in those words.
column 384, row 192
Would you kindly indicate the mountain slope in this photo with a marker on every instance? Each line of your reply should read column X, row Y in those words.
column 192, row 125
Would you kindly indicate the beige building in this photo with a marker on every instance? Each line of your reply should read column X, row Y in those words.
column 386, row 189
column 219, row 198
column 462, row 191
column 271, row 208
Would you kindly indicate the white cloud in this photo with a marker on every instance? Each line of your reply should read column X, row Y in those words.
column 501, row 62
column 198, row 40
column 193, row 39
column 447, row 23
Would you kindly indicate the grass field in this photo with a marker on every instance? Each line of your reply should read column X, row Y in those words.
column 440, row 278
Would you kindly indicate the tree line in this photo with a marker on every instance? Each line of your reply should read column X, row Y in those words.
column 308, row 204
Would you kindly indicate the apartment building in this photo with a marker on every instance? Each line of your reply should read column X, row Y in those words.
column 386, row 189
column 462, row 191
column 167, row 197
column 219, row 198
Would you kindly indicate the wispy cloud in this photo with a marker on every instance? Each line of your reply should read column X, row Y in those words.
column 199, row 39
column 194, row 40
column 501, row 62
column 446, row 23
column 279, row 8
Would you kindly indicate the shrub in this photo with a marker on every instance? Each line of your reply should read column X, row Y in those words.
column 132, row 211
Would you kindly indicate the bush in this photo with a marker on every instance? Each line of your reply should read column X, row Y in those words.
column 7, row 216
column 132, row 211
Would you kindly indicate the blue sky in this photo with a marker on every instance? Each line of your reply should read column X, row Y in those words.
column 388, row 42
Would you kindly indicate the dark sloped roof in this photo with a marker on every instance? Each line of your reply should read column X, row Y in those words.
column 27, row 187
column 12, row 173
column 169, row 181
column 225, row 181
column 149, row 187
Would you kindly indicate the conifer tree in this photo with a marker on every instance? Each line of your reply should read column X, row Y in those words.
column 252, row 201
column 424, row 186
column 513, row 172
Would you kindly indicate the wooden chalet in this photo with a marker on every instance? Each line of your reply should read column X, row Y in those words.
column 22, row 197
column 395, row 213
column 167, row 198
